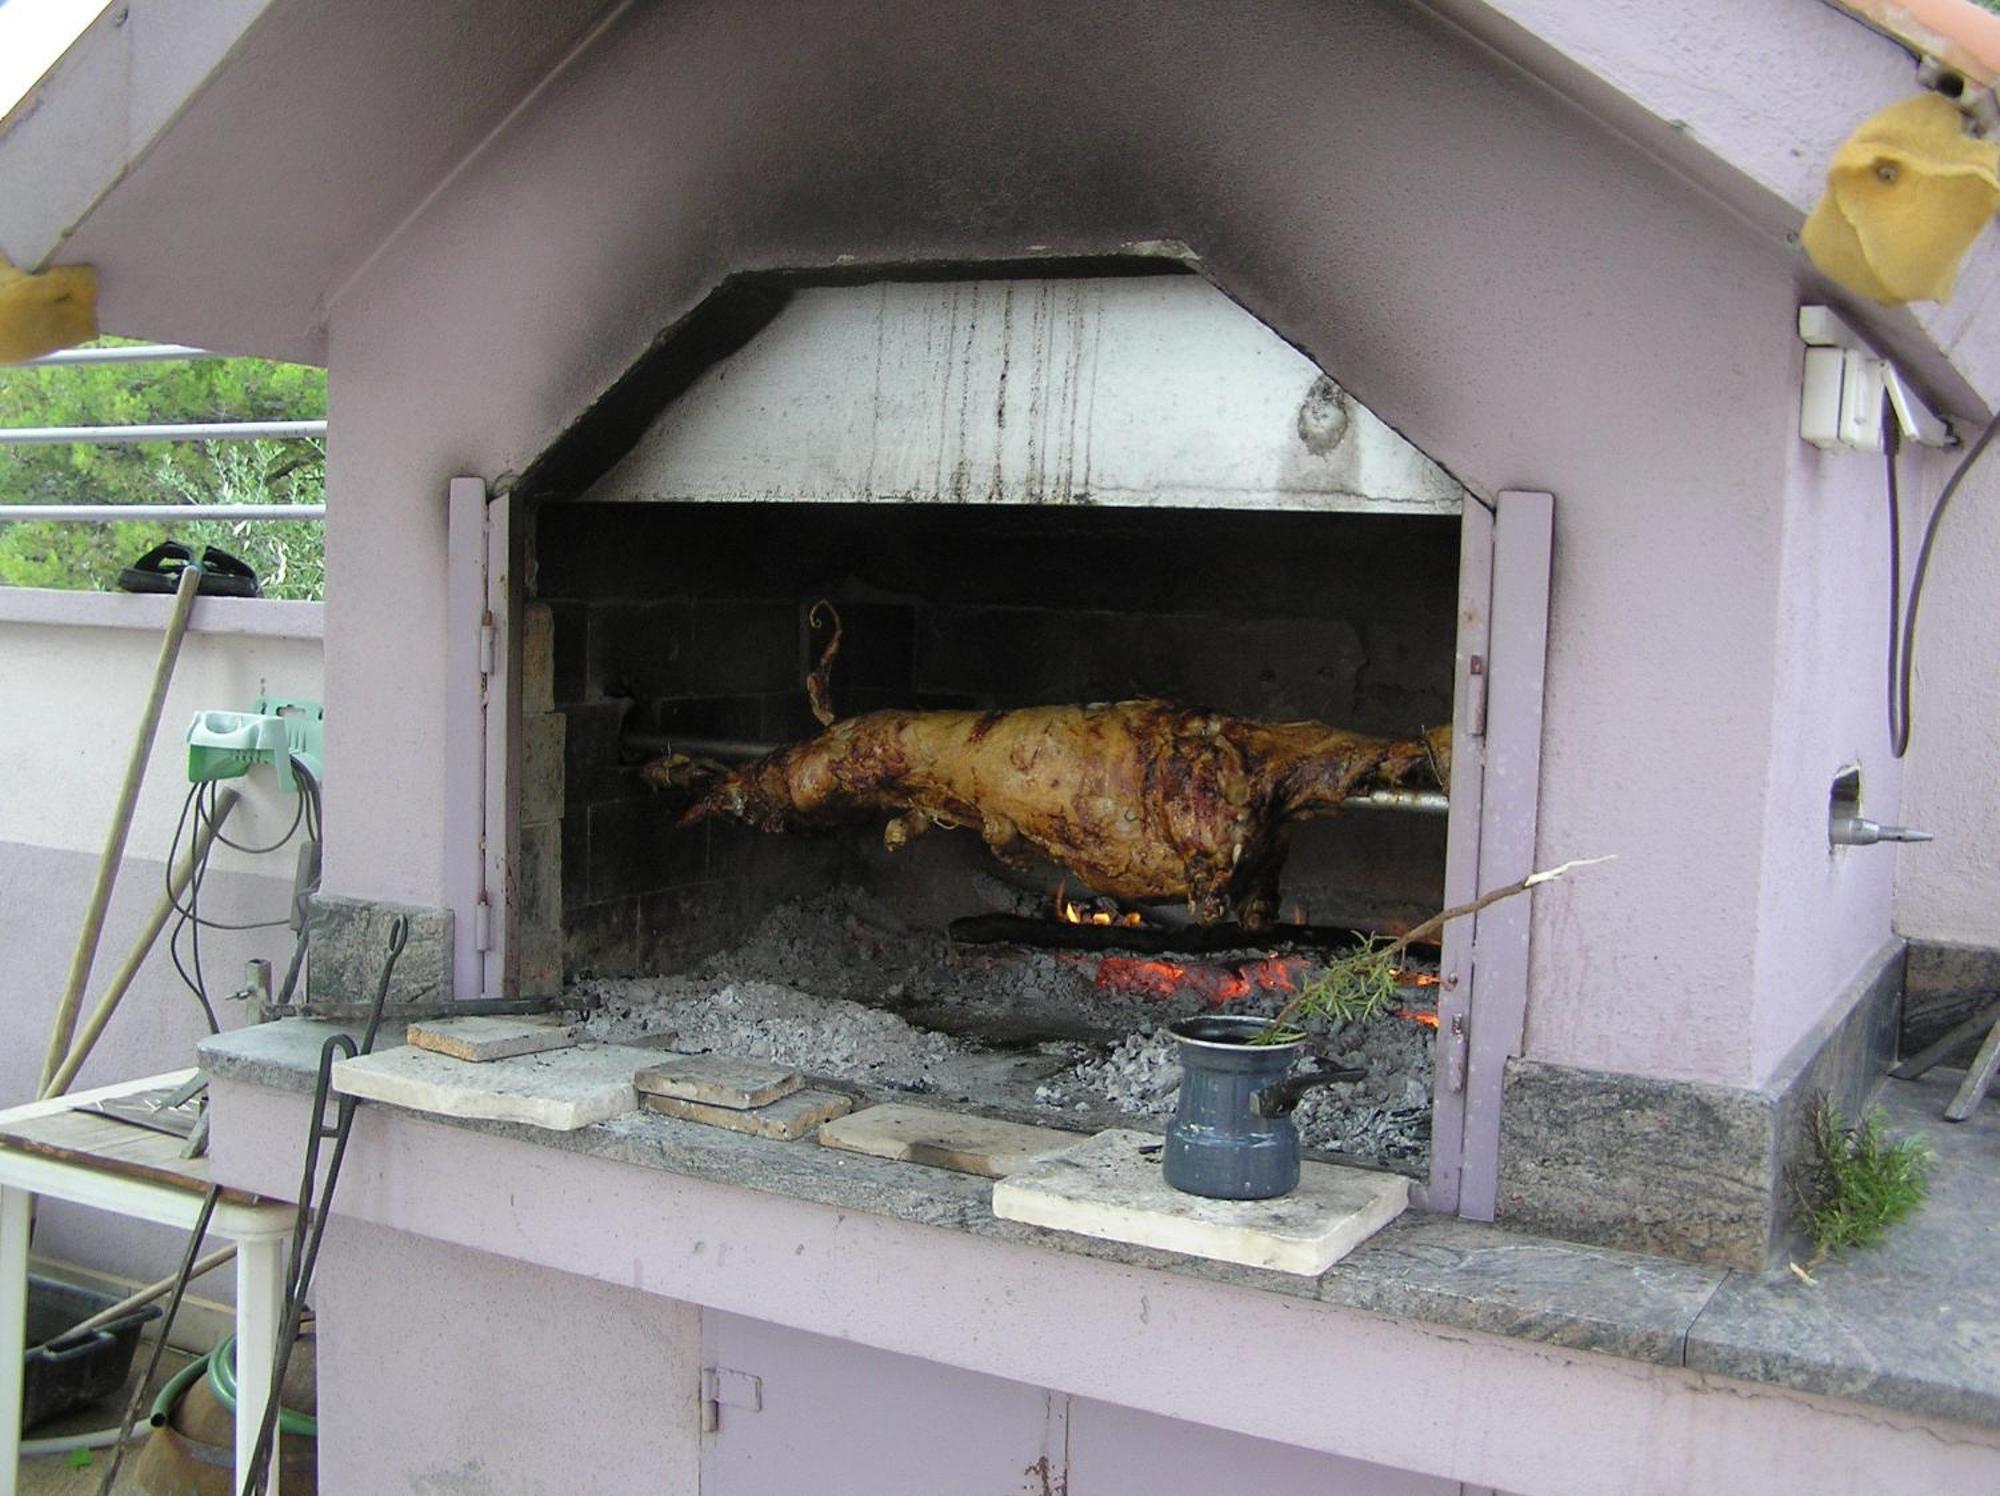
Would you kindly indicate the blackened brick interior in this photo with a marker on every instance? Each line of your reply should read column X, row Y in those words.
column 690, row 619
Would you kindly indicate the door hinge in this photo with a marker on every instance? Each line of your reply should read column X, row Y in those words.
column 1475, row 695
column 722, row 1388
column 482, row 925
column 486, row 645
column 1458, row 1042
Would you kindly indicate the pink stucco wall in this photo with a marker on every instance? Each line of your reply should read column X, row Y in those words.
column 1518, row 289
column 625, row 1249
column 1950, row 888
column 73, row 691
column 1820, row 910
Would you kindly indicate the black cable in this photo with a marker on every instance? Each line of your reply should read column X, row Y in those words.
column 204, row 814
column 1892, row 446
column 298, row 816
column 1903, row 649
column 191, row 980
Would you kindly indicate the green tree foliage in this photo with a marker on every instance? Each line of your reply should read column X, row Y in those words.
column 289, row 557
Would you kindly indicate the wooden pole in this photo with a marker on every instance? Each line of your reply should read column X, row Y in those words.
column 141, row 948
column 121, row 826
column 145, row 1295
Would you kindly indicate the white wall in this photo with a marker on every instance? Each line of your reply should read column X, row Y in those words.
column 72, row 694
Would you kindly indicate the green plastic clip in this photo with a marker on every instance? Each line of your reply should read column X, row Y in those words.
column 227, row 745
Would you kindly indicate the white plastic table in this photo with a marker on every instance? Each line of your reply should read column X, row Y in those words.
column 148, row 1183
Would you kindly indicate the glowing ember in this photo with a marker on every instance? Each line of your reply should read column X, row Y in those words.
column 1097, row 912
column 1218, row 984
column 1415, row 1015
column 1407, row 978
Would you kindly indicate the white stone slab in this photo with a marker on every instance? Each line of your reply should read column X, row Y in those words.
column 484, row 1037
column 1108, row 1188
column 719, row 1080
column 561, row 1090
column 945, row 1140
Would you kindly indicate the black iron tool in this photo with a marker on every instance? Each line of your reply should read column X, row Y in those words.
column 305, row 1246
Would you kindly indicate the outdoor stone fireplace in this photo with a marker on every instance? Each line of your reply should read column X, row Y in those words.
column 1183, row 510
column 1024, row 491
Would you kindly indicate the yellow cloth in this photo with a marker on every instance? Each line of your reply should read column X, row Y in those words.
column 1906, row 195
column 41, row 313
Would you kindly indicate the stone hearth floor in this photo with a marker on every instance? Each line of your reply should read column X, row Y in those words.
column 1913, row 1325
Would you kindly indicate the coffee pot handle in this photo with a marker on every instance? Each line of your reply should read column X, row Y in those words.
column 1278, row 1100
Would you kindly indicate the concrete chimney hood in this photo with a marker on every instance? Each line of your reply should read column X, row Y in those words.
column 1152, row 391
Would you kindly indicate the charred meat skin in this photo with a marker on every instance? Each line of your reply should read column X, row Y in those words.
column 1139, row 799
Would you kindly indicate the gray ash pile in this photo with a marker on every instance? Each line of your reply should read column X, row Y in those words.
column 839, row 987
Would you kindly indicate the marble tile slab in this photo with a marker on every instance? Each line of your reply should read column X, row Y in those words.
column 1111, row 1187
column 719, row 1080
column 482, row 1037
column 559, row 1090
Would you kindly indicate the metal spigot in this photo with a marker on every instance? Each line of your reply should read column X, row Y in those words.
column 1855, row 831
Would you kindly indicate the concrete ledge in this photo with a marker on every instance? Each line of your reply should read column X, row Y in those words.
column 252, row 617
column 1430, row 1268
column 1863, row 1333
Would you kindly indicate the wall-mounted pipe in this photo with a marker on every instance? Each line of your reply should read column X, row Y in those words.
column 1857, row 831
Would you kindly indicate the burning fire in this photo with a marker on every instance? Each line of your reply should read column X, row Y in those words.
column 1161, row 979
column 1219, row 984
column 1409, row 977
column 1070, row 912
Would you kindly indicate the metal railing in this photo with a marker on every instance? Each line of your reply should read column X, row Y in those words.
column 132, row 353
column 187, row 431
column 71, row 514
column 193, row 431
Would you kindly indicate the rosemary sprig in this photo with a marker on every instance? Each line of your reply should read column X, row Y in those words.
column 1363, row 983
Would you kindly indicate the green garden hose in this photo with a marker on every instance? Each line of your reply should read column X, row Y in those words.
column 170, row 1395
column 222, row 1377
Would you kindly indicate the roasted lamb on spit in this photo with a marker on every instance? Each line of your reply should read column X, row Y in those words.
column 1141, row 800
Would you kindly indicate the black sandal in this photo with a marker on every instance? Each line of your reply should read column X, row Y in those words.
column 159, row 570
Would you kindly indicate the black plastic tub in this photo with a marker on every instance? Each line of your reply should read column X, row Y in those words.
column 80, row 1368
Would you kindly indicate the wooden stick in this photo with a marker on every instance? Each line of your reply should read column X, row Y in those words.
column 144, row 1296
column 121, row 826
column 141, row 948
column 1972, row 1090
column 1438, row 921
column 1934, row 1053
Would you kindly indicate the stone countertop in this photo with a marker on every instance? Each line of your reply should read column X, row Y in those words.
column 1913, row 1326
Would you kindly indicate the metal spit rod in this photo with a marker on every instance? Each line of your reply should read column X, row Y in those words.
column 743, row 751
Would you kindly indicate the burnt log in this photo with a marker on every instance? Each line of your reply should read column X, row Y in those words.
column 1151, row 940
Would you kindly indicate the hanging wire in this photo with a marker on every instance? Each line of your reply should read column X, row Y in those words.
column 200, row 805
column 1903, row 629
column 298, row 816
column 201, row 799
